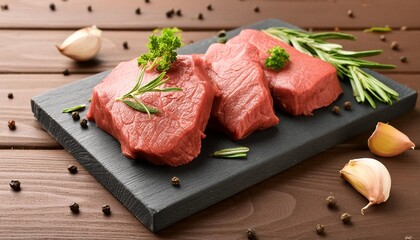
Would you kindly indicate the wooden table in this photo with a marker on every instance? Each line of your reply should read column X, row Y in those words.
column 286, row 206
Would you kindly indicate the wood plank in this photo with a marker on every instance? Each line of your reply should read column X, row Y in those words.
column 110, row 14
column 286, row 206
column 35, row 52
column 161, row 205
column 29, row 133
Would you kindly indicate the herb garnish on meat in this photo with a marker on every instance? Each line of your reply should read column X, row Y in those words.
column 348, row 63
column 277, row 59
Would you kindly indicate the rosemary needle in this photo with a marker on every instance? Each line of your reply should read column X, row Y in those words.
column 237, row 152
column 348, row 63
column 74, row 108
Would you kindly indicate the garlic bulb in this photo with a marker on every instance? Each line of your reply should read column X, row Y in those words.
column 370, row 178
column 83, row 44
column 387, row 141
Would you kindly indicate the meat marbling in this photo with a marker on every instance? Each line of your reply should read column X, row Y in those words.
column 305, row 84
column 172, row 137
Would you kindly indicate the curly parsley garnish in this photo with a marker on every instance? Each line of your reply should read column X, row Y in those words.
column 277, row 59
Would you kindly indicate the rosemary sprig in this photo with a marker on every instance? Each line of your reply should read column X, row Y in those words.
column 131, row 97
column 378, row 29
column 237, row 152
column 74, row 108
column 348, row 63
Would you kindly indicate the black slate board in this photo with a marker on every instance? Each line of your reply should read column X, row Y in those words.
column 145, row 189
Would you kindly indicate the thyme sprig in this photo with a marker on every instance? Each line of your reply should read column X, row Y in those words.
column 131, row 98
column 237, row 152
column 348, row 63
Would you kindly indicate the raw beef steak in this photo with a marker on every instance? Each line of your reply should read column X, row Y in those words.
column 305, row 84
column 245, row 104
column 172, row 137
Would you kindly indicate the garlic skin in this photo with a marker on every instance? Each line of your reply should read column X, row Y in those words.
column 370, row 178
column 83, row 44
column 387, row 141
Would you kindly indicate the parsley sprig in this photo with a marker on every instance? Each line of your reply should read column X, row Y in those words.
column 131, row 98
column 277, row 59
column 348, row 63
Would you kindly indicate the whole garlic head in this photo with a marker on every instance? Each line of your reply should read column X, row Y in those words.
column 83, row 44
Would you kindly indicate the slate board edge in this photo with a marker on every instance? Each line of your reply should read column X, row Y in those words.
column 157, row 220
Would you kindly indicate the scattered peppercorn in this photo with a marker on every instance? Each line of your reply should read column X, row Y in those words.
column 75, row 115
column 408, row 238
column 256, row 9
column 394, row 45
column 383, row 38
column 4, row 7
column 125, row 45
column 345, row 217
column 72, row 169
column 11, row 124
column 74, row 207
column 336, row 29
column 147, row 1
column 179, row 12
column 138, row 11
column 10, row 95
column 350, row 13
column 84, row 123
column 347, row 105
column 250, row 233
column 106, row 209
column 336, row 109
column 52, row 7
column 210, row 7
column 89, row 8
column 403, row 59
column 66, row 72
column 404, row 28
column 331, row 201
column 15, row 185
column 175, row 181
column 170, row 13
column 200, row 16
column 221, row 36
column 320, row 229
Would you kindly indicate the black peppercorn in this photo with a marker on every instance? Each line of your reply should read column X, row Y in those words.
column 179, row 12
column 256, row 9
column 394, row 45
column 74, row 207
column 138, row 11
column 347, row 105
column 72, row 169
column 147, row 1
column 331, row 201
column 221, row 34
column 250, row 233
column 4, row 7
column 125, row 45
column 15, row 185
column 210, row 7
column 350, row 13
column 84, row 123
column 75, row 115
column 106, row 209
column 346, row 218
column 11, row 124
column 383, row 38
column 10, row 95
column 320, row 229
column 66, row 72
column 52, row 7
column 336, row 109
column 175, row 181
column 403, row 59
column 89, row 8
column 200, row 16
column 170, row 13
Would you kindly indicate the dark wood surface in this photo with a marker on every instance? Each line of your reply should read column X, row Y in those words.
column 286, row 206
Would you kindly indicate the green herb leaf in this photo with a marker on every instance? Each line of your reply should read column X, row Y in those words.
column 75, row 108
column 162, row 48
column 378, row 29
column 277, row 59
column 237, row 152
column 131, row 99
column 348, row 63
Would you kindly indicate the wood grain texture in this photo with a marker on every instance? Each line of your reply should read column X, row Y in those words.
column 286, row 206
column 41, row 55
column 116, row 15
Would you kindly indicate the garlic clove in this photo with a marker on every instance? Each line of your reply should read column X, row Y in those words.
column 370, row 178
column 387, row 141
column 83, row 44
